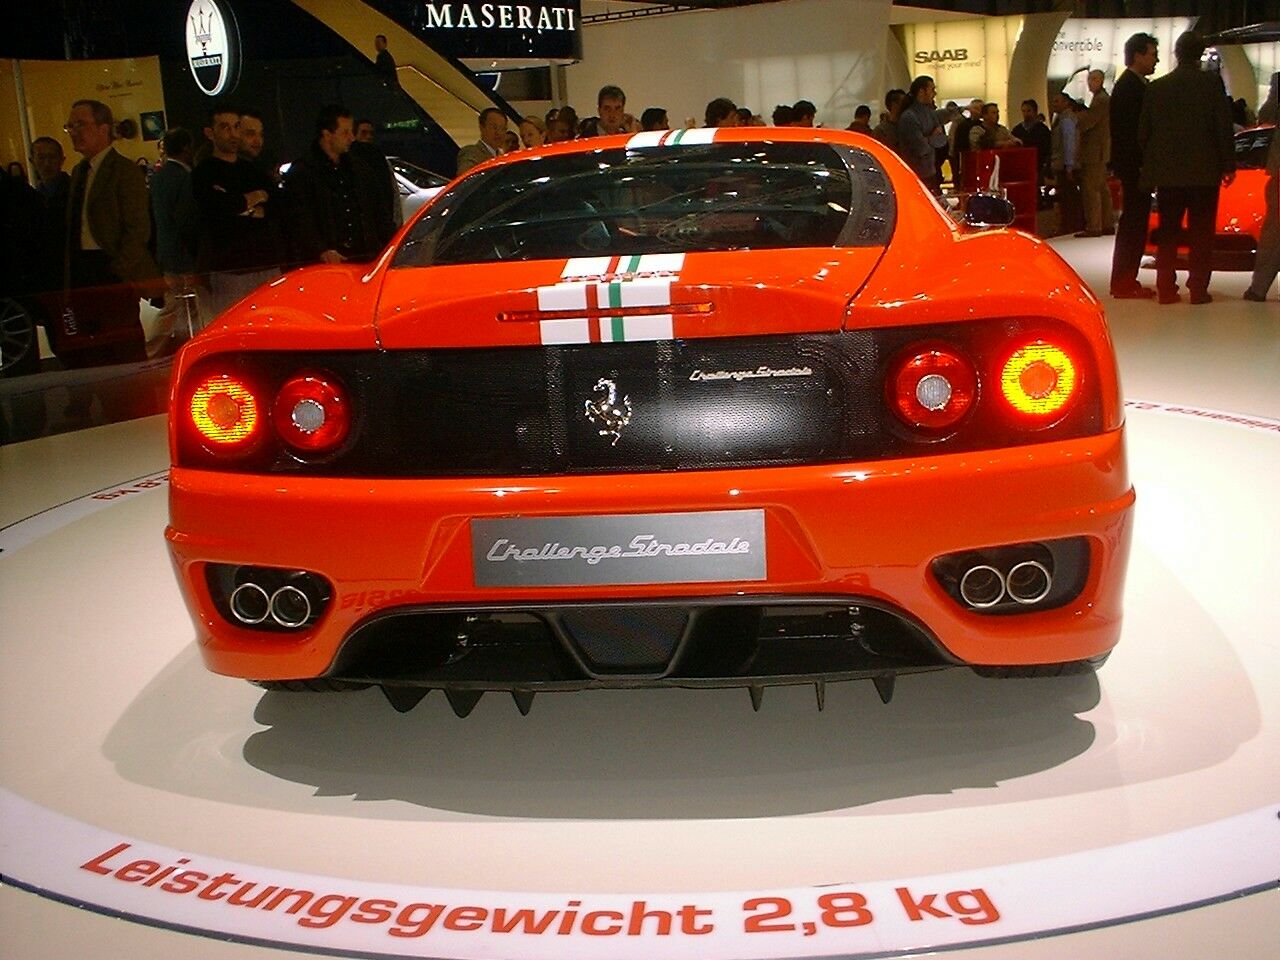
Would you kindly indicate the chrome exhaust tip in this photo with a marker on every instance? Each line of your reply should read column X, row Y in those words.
column 250, row 604
column 1029, row 582
column 290, row 607
column 982, row 586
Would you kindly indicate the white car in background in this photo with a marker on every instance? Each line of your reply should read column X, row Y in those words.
column 415, row 185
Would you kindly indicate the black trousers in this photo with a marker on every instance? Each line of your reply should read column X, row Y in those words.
column 1070, row 204
column 1131, row 232
column 1200, row 207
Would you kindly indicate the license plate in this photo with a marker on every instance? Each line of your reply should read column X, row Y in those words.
column 581, row 551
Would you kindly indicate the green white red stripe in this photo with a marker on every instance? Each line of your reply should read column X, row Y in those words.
column 700, row 136
column 599, row 285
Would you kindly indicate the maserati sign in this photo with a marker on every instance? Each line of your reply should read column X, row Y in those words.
column 213, row 46
column 498, row 29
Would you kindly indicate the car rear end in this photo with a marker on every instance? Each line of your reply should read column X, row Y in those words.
column 723, row 439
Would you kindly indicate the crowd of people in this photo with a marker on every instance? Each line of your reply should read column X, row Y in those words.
column 1178, row 146
column 223, row 222
column 210, row 223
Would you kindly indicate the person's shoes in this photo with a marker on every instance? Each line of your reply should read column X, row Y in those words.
column 1200, row 298
column 1133, row 292
column 1089, row 233
column 1170, row 297
column 1255, row 297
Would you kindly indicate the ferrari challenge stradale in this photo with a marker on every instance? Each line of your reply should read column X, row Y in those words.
column 697, row 408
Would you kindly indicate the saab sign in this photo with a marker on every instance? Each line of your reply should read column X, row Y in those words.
column 941, row 56
column 213, row 46
column 497, row 29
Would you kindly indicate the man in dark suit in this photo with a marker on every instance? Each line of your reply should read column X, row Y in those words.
column 1033, row 132
column 1185, row 136
column 1141, row 54
column 336, row 205
column 108, row 228
column 385, row 64
column 1267, row 265
column 54, row 189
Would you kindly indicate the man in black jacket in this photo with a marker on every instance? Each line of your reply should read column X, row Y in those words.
column 239, row 244
column 337, row 209
column 1141, row 54
column 1185, row 136
column 1034, row 132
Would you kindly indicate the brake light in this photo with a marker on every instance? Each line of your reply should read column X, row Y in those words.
column 225, row 412
column 932, row 387
column 312, row 412
column 1039, row 380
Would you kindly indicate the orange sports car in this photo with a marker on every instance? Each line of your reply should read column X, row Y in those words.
column 1242, row 206
column 697, row 408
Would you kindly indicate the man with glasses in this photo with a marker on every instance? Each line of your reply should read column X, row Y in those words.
column 108, row 228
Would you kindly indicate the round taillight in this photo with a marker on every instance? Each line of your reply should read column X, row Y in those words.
column 226, row 413
column 932, row 387
column 312, row 413
column 1039, row 380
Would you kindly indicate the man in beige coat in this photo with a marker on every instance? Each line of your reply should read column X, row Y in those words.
column 108, row 228
column 1094, row 126
column 493, row 136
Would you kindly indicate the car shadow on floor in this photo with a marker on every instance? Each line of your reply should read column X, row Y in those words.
column 948, row 739
column 667, row 754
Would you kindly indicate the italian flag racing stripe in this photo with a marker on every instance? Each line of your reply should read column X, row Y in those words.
column 618, row 283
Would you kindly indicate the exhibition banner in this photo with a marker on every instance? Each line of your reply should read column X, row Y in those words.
column 55, row 856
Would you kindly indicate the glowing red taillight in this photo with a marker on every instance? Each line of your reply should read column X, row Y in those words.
column 1039, row 380
column 226, row 413
column 932, row 387
column 312, row 413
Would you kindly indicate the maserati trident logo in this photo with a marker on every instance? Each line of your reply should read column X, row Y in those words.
column 213, row 46
column 606, row 412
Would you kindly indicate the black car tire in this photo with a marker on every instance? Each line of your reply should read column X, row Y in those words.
column 19, row 342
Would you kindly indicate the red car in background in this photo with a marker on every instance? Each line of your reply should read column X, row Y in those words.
column 1241, row 205
column 695, row 408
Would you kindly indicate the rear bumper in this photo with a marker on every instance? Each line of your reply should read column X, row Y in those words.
column 866, row 532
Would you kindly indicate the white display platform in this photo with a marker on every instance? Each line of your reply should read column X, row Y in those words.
column 1133, row 814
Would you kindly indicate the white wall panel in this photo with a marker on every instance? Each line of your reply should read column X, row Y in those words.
column 829, row 51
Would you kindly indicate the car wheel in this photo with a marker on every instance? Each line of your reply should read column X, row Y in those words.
column 19, row 346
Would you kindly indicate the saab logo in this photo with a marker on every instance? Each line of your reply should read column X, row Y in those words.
column 942, row 56
column 213, row 46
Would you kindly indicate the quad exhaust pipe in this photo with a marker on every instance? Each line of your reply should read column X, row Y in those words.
column 288, row 606
column 982, row 586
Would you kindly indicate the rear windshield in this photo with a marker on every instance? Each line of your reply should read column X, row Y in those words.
column 730, row 196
